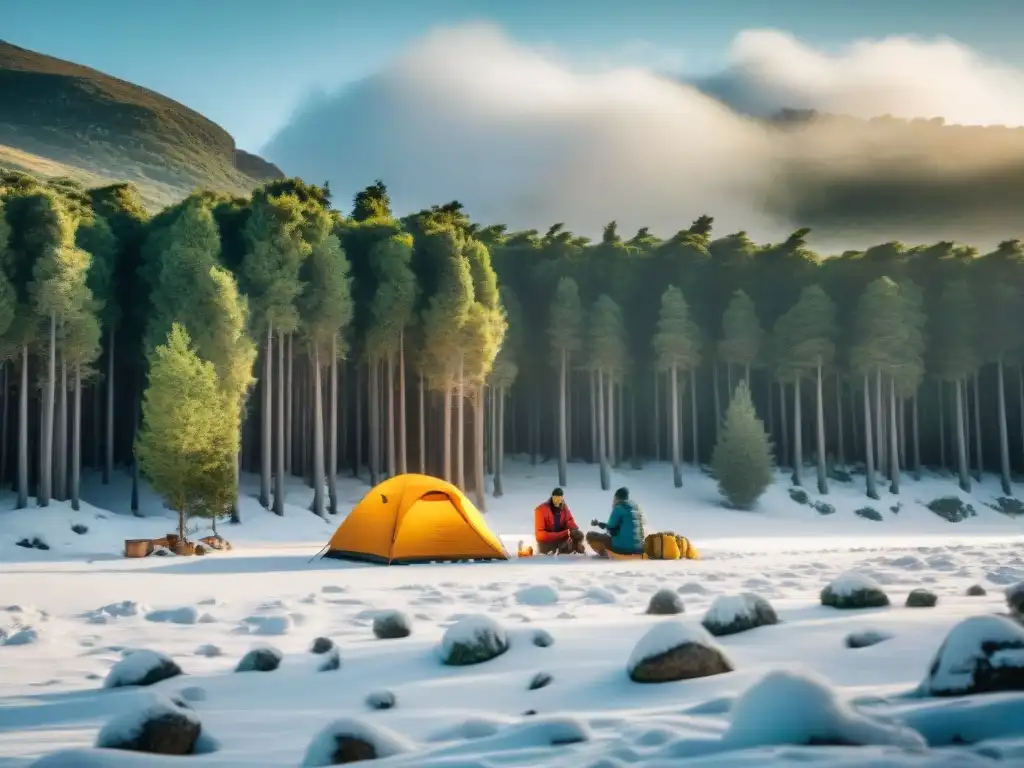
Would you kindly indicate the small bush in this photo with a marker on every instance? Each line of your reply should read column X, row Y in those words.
column 1008, row 506
column 868, row 513
column 799, row 495
column 951, row 508
column 823, row 509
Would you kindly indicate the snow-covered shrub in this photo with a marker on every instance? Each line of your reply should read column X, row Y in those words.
column 391, row 625
column 472, row 640
column 36, row 542
column 350, row 740
column 142, row 667
column 730, row 614
column 823, row 508
column 742, row 459
column 869, row 513
column 672, row 650
column 540, row 680
column 23, row 636
column 161, row 727
column 976, row 590
column 264, row 658
column 951, row 508
column 799, row 495
column 80, row 529
column 321, row 645
column 866, row 638
column 981, row 654
column 854, row 590
column 1008, row 506
column 797, row 708
column 184, row 615
column 665, row 602
column 381, row 700
column 537, row 595
column 1015, row 599
column 331, row 661
column 921, row 598
column 542, row 638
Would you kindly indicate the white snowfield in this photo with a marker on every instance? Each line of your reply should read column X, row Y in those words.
column 798, row 694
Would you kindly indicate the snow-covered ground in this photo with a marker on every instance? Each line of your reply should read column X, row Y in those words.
column 79, row 608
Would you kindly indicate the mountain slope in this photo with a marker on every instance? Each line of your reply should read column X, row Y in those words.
column 57, row 115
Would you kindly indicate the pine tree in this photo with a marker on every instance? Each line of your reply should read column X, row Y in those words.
column 564, row 332
column 503, row 375
column 957, row 358
column 189, row 438
column 742, row 460
column 677, row 351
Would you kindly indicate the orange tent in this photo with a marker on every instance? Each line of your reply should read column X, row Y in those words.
column 415, row 519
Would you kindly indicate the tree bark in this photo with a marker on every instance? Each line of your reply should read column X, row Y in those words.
column 108, row 459
column 798, row 437
column 677, row 470
column 693, row 416
column 460, row 436
column 46, row 446
column 602, row 455
column 318, row 435
column 446, row 409
column 403, row 453
column 961, row 440
column 389, row 393
column 423, row 427
column 869, row 452
column 840, row 432
column 499, row 460
column 76, row 442
column 820, row 419
column 563, row 459
column 978, row 458
column 879, row 431
column 60, row 485
column 373, row 407
column 280, row 442
column 894, row 463
column 332, row 430
column 478, row 449
column 1004, row 440
column 266, row 444
column 288, row 431
column 610, row 423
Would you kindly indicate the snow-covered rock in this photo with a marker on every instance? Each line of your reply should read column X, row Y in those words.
column 24, row 636
column 854, row 590
column 350, row 740
column 730, row 614
column 331, row 661
column 537, row 595
column 787, row 707
column 1015, row 599
column 672, row 650
column 321, row 645
column 264, row 658
column 473, row 639
column 542, row 638
column 208, row 650
column 540, row 680
column 123, row 609
column 976, row 590
column 921, row 598
column 185, row 615
column 981, row 654
column 141, row 667
column 381, row 700
column 601, row 596
column 161, row 727
column 268, row 625
column 866, row 638
column 665, row 602
column 391, row 625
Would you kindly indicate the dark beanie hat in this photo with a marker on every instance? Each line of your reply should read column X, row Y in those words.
column 622, row 494
column 558, row 492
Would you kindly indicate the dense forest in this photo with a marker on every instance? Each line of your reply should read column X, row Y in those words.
column 309, row 342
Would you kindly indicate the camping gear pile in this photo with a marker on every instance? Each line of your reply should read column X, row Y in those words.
column 173, row 544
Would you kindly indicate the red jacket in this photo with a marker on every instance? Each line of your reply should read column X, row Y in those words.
column 544, row 523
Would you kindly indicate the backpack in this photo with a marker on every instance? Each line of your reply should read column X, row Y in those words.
column 667, row 545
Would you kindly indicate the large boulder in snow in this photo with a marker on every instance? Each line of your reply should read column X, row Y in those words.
column 391, row 625
column 854, row 590
column 264, row 658
column 672, row 650
column 730, row 614
column 786, row 707
column 866, row 638
column 161, row 728
column 981, row 654
column 1015, row 599
column 143, row 667
column 350, row 740
column 921, row 598
column 665, row 602
column 473, row 640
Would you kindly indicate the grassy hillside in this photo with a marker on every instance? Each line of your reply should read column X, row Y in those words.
column 61, row 119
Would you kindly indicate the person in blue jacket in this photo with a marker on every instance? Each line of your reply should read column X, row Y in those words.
column 625, row 528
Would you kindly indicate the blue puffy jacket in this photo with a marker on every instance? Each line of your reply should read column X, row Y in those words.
column 626, row 525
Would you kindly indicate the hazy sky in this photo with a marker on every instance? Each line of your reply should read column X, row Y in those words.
column 247, row 63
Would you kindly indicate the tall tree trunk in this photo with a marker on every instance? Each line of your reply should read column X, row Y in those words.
column 979, row 460
column 602, row 453
column 894, row 464
column 447, row 432
column 595, row 453
column 657, row 418
column 136, row 418
column 869, row 451
column 961, row 439
column 60, row 489
column 916, row 438
column 266, row 444
column 95, row 460
column 563, row 459
column 373, row 408
column 634, row 455
column 1020, row 409
column 288, row 433
column 771, row 406
column 942, row 424
column 718, row 399
column 693, row 416
column 728, row 382
column 403, row 453
column 854, row 428
column 46, row 447
column 318, row 435
column 478, row 449
column 357, row 463
column 76, row 442
column 279, row 442
column 499, row 460
column 6, row 424
column 798, row 437
column 901, row 428
column 820, row 419
column 784, row 421
column 570, row 420
column 620, row 424
column 879, row 422
column 423, row 427
column 677, row 470
column 840, row 432
column 460, row 429
column 1004, row 440
column 389, row 393
column 613, row 458
column 108, row 459
column 332, row 430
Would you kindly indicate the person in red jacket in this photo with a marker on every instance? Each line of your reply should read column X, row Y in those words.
column 555, row 529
